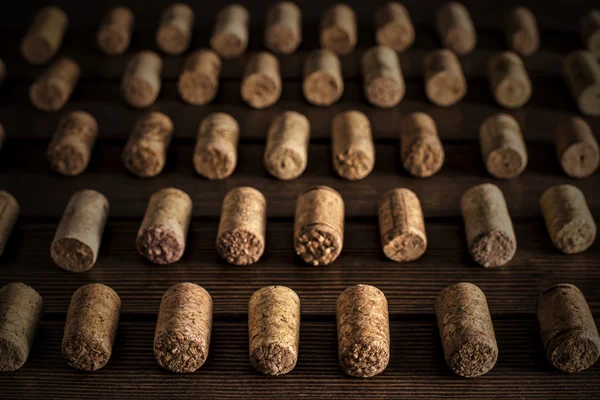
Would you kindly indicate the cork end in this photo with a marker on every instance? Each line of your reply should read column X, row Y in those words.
column 505, row 163
column 589, row 100
column 318, row 245
column 493, row 248
column 322, row 89
column 523, row 43
column 424, row 158
column 473, row 359
column 227, row 44
column 365, row 360
column 138, row 93
column 576, row 236
column 84, row 353
column 574, row 350
column 445, row 89
column 160, row 245
column 12, row 355
column 72, row 255
column 285, row 163
column 112, row 42
column 407, row 246
column 460, row 40
column 273, row 359
column 67, row 160
column 36, row 50
column 178, row 353
column 337, row 40
column 399, row 37
column 197, row 89
column 172, row 40
column 214, row 163
column 281, row 39
column 384, row 91
column 142, row 161
column 260, row 90
column 353, row 165
column 240, row 247
column 47, row 95
column 580, row 160
column 514, row 92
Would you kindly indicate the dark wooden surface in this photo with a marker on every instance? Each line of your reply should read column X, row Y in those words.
column 417, row 369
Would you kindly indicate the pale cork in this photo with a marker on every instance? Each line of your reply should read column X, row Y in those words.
column 323, row 81
column 502, row 146
column 198, row 82
column 445, row 82
column 286, row 152
column 509, row 81
column 45, row 35
column 261, row 85
column 577, row 148
column 590, row 31
column 522, row 34
column 383, row 81
column 283, row 27
column 230, row 35
column 114, row 33
column 338, row 29
column 70, row 149
column 421, row 149
column 53, row 88
column 215, row 155
column 582, row 73
column 176, row 27
column 394, row 27
column 455, row 27
column 352, row 145
column 9, row 213
column 141, row 81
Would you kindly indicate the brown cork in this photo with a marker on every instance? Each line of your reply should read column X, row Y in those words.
column 509, row 81
column 261, row 86
column 323, row 82
column 568, row 218
column 53, row 88
column 569, row 334
column 9, row 213
column 45, row 35
column 363, row 328
column 421, row 149
column 577, row 148
column 590, row 31
column 91, row 326
column 522, row 35
column 274, row 329
column 393, row 27
column 243, row 226
column 283, row 28
column 141, row 81
column 163, row 233
column 455, row 27
column 79, row 233
column 286, row 152
column 502, row 146
column 490, row 234
column 114, row 33
column 20, row 314
column 445, row 82
column 383, row 80
column 145, row 153
column 183, row 329
column 215, row 156
column 230, row 36
column 338, row 29
column 71, row 146
column 199, row 80
column 466, row 329
column 2, row 71
column 319, row 225
column 582, row 72
column 352, row 145
column 175, row 30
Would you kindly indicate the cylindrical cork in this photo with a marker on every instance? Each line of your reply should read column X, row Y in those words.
column 568, row 218
column 53, row 88
column 319, row 225
column 183, row 329
column 582, row 71
column 323, row 82
column 141, row 81
column 91, row 326
column 261, row 86
column 577, row 148
column 466, row 329
column 274, row 329
column 352, row 145
column 509, row 81
column 20, row 314
column 445, row 82
column 45, row 35
column 286, row 152
column 522, row 35
column 114, row 33
column 283, row 27
column 502, row 146
column 9, row 213
column 383, row 80
column 71, row 146
column 455, row 27
column 145, row 153
column 338, row 29
column 163, row 233
column 199, row 80
column 243, row 226
column 421, row 149
column 590, row 31
column 393, row 27
column 175, row 30
column 490, row 234
column 363, row 328
column 230, row 36
column 215, row 156
column 569, row 334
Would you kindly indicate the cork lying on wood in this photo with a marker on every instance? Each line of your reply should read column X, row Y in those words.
column 590, row 31
column 338, row 29
column 45, row 35
column 455, row 27
column 445, row 83
column 509, row 81
column 70, row 149
column 323, row 82
column 502, row 146
column 9, row 213
column 199, row 80
column 352, row 145
column 53, row 88
column 577, row 148
column 114, row 33
column 141, row 81
column 582, row 72
column 215, row 155
column 230, row 36
column 383, row 80
column 421, row 149
column 393, row 27
column 175, row 30
column 283, row 27
column 522, row 35
column 286, row 152
column 261, row 86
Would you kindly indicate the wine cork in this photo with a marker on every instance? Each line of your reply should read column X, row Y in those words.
column 114, row 33
column 522, row 35
column 590, row 31
column 215, row 156
column 286, row 152
column 509, row 81
column 53, row 88
column 261, row 86
column 421, row 149
column 2, row 71
column 319, row 225
column 91, row 326
column 568, row 219
column 577, row 148
column 393, row 27
column 466, row 329
column 141, row 82
column 569, row 334
column 243, row 226
column 199, row 80
column 283, row 27
column 20, row 314
column 445, row 83
column 9, row 213
column 455, row 27
column 175, row 30
column 582, row 71
column 274, row 329
column 70, row 149
column 183, row 329
column 45, row 35
column 383, row 80
column 352, row 145
column 79, row 233
column 490, row 234
column 363, row 328
column 145, row 153
column 338, row 29
column 230, row 36
column 502, row 146
column 323, row 82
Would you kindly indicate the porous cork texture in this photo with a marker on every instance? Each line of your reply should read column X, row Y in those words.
column 590, row 31
column 445, row 82
column 141, row 81
column 286, row 152
column 215, row 155
column 383, row 81
column 45, row 35
column 582, row 73
column 421, row 149
column 509, row 81
column 274, row 329
column 455, row 28
column 261, row 86
column 323, row 83
column 183, row 328
column 243, row 226
column 9, row 213
column 91, row 326
column 70, row 149
column 114, row 33
column 199, row 80
column 338, row 29
column 522, row 35
column 352, row 145
column 283, row 27
column 53, row 88
column 230, row 36
column 393, row 27
column 577, row 148
column 175, row 29
column 466, row 330
column 568, row 219
column 502, row 146
column 569, row 334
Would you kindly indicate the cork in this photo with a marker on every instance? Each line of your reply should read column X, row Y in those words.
column 215, row 156
column 338, row 29
column 455, row 27
column 363, row 329
column 114, row 33
column 323, row 82
column 175, row 29
column 230, row 36
column 522, row 35
column 145, row 153
column 261, row 86
column 509, row 81
column 466, row 330
column 9, row 213
column 502, row 146
column 445, row 82
column 286, row 152
column 141, row 81
column 352, row 145
column 568, row 219
column 20, row 314
column 2, row 71
column 319, row 225
column 569, row 334
column 162, row 235
column 490, row 234
column 577, row 148
column 199, row 80
column 274, row 329
column 283, row 28
column 79, row 233
column 590, row 31
column 45, row 35
column 53, row 88
column 183, row 329
column 91, row 326
column 421, row 149
column 582, row 72
column 243, row 226
column 70, row 149
column 393, row 27
column 383, row 80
